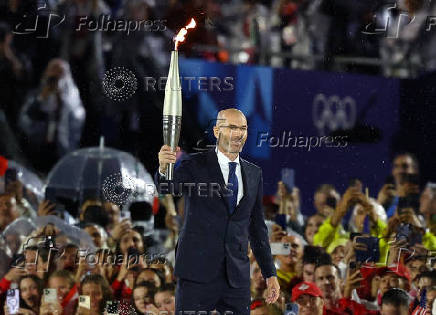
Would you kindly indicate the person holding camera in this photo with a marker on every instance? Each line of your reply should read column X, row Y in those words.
column 289, row 263
column 289, row 215
column 53, row 119
column 403, row 182
column 364, row 217
column 325, row 199
column 30, row 288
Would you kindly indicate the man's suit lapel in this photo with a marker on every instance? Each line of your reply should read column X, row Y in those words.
column 216, row 176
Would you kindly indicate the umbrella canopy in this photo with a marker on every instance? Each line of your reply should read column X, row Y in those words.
column 17, row 234
column 99, row 173
column 29, row 179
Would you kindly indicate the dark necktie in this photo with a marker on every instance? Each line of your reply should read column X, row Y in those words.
column 233, row 186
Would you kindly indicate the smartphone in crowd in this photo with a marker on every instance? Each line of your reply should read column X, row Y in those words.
column 10, row 176
column 278, row 248
column 433, row 219
column 366, row 225
column 52, row 81
column 356, row 183
column 132, row 252
column 288, row 178
column 431, row 186
column 50, row 241
column 280, row 219
column 85, row 301
column 390, row 180
column 353, row 266
column 403, row 232
column 50, row 295
column 13, row 300
column 125, row 215
column 112, row 307
column 409, row 233
column 409, row 201
column 410, row 178
column 331, row 202
column 372, row 252
column 291, row 309
column 353, row 235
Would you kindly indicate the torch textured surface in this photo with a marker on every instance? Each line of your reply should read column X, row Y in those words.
column 172, row 109
column 173, row 89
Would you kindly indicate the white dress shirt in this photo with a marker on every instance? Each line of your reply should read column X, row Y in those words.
column 223, row 161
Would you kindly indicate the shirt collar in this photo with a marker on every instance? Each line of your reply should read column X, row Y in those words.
column 224, row 159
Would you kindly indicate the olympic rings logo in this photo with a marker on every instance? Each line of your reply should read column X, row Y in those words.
column 333, row 112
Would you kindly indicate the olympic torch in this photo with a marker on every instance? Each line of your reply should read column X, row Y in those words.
column 172, row 109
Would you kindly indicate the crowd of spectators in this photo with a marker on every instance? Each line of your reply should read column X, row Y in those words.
column 54, row 55
column 357, row 254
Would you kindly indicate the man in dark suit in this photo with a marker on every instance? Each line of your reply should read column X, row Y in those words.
column 223, row 211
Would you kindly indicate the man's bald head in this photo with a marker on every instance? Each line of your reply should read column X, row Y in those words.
column 230, row 131
column 226, row 114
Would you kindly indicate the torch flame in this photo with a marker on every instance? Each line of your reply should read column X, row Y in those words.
column 180, row 37
column 191, row 24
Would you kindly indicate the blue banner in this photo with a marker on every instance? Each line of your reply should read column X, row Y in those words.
column 328, row 127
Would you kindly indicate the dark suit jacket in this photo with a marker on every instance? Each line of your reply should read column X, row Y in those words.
column 209, row 232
